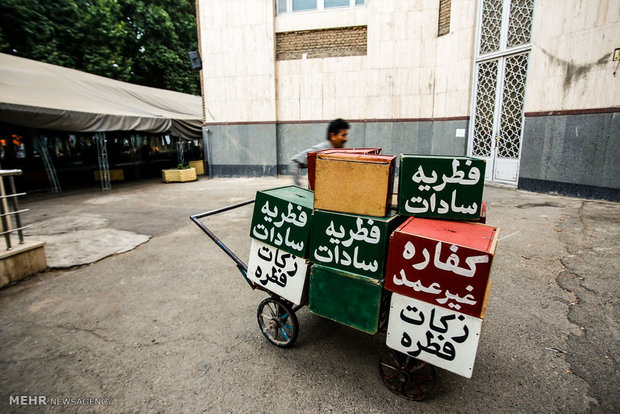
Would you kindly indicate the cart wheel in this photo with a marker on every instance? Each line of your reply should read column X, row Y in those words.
column 278, row 322
column 406, row 376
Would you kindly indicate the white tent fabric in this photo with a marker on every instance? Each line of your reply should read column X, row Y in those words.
column 40, row 95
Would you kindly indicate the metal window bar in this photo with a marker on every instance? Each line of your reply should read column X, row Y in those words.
column 6, row 212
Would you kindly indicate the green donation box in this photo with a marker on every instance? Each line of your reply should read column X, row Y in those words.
column 353, row 243
column 282, row 218
column 441, row 186
column 351, row 299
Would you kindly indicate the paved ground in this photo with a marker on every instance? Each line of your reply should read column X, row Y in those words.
column 170, row 326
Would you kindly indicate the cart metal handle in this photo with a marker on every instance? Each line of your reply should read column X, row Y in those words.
column 243, row 268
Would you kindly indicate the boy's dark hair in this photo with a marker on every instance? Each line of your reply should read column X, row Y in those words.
column 336, row 126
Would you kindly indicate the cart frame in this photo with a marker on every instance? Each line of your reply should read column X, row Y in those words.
column 405, row 376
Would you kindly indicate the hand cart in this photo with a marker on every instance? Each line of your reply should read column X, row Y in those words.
column 404, row 375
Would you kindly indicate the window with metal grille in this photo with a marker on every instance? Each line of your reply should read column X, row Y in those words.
column 289, row 6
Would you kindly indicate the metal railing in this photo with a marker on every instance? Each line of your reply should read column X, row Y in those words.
column 9, row 196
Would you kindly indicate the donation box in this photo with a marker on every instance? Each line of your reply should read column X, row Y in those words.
column 353, row 243
column 278, row 271
column 354, row 183
column 282, row 218
column 312, row 158
column 441, row 186
column 430, row 333
column 445, row 263
column 351, row 299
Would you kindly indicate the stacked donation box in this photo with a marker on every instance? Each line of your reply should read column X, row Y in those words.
column 312, row 158
column 280, row 233
column 353, row 257
column 439, row 262
column 349, row 237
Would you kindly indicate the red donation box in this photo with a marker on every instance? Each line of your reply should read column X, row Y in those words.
column 441, row 262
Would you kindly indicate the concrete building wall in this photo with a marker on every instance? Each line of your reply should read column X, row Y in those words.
column 238, row 60
column 392, row 136
column 573, row 154
column 408, row 73
column 571, row 64
column 404, row 94
column 237, row 48
column 411, row 91
column 241, row 149
column 571, row 138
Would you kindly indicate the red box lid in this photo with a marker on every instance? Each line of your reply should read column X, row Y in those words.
column 476, row 236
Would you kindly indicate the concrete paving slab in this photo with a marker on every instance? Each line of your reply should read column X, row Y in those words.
column 79, row 239
column 82, row 247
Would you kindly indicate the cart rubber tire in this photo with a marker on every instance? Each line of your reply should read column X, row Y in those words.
column 277, row 322
column 406, row 376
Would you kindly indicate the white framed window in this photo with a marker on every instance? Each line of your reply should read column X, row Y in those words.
column 291, row 6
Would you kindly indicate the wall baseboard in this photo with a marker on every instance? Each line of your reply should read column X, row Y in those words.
column 569, row 189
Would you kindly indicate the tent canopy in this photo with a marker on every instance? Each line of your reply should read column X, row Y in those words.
column 39, row 95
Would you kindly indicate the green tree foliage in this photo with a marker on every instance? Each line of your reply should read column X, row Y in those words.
column 143, row 42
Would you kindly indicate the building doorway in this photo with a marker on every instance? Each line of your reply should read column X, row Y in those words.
column 502, row 53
